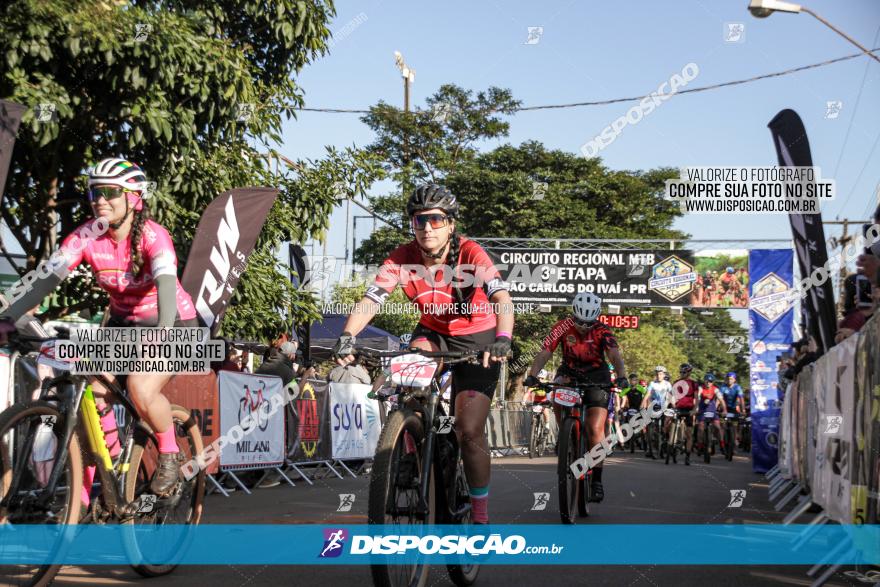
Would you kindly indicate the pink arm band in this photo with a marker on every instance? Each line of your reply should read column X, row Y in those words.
column 507, row 334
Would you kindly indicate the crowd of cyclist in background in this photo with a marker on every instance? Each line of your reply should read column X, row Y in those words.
column 700, row 404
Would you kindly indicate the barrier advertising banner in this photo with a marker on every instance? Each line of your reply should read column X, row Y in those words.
column 865, row 492
column 309, row 424
column 198, row 393
column 770, row 322
column 836, row 426
column 712, row 279
column 354, row 421
column 252, row 419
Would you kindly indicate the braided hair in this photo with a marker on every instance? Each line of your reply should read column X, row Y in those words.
column 462, row 294
column 137, row 227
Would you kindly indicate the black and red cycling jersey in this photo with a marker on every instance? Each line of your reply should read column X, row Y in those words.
column 431, row 288
column 583, row 355
column 684, row 391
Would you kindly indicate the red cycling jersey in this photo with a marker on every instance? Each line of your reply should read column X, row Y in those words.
column 430, row 288
column 133, row 298
column 582, row 353
column 685, row 392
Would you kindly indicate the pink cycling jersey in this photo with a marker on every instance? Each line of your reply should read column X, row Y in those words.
column 132, row 298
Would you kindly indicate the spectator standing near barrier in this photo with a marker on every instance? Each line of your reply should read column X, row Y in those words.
column 858, row 305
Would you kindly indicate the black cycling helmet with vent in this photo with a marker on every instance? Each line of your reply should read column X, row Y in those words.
column 430, row 196
column 685, row 368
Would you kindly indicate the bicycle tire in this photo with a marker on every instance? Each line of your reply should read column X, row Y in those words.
column 385, row 475
column 729, row 439
column 44, row 574
column 670, row 443
column 463, row 575
column 533, row 437
column 567, row 484
column 583, row 501
column 707, row 442
column 141, row 467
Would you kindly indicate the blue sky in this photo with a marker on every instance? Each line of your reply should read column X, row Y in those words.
column 593, row 51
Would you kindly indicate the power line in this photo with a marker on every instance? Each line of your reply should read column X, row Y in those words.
column 634, row 98
column 855, row 109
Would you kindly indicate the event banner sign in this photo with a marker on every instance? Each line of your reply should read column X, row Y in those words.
column 309, row 424
column 252, row 419
column 770, row 322
column 628, row 277
column 225, row 237
column 354, row 421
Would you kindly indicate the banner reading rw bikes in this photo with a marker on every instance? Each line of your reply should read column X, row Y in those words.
column 354, row 421
column 770, row 322
column 251, row 420
column 631, row 277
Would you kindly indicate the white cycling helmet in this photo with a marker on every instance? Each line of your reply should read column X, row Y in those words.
column 118, row 172
column 660, row 369
column 587, row 306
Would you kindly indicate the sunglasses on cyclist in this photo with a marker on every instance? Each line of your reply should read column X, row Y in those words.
column 580, row 322
column 108, row 192
column 421, row 221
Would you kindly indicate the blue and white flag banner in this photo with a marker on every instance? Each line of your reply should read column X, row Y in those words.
column 770, row 335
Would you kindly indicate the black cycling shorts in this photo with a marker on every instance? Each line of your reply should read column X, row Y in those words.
column 596, row 396
column 685, row 413
column 465, row 376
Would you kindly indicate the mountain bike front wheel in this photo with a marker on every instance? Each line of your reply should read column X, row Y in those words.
column 30, row 442
column 183, row 507
column 398, row 468
column 568, row 484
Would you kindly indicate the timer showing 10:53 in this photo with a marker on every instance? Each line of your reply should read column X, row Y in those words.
column 619, row 321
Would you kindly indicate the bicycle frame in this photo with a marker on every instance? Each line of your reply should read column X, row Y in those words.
column 76, row 398
column 427, row 404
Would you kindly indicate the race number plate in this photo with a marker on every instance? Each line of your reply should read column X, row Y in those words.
column 537, row 409
column 730, row 416
column 708, row 415
column 412, row 370
column 669, row 412
column 566, row 397
column 631, row 412
column 47, row 357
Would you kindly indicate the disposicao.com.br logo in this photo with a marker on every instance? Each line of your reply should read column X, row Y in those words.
column 445, row 544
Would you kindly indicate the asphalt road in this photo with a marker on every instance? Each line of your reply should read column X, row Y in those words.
column 637, row 491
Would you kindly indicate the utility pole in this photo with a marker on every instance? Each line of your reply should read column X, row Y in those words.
column 842, row 242
column 409, row 76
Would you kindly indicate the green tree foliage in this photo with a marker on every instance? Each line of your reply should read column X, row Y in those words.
column 395, row 322
column 196, row 93
column 645, row 348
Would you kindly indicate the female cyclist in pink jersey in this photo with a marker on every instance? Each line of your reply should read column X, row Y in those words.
column 133, row 259
column 454, row 318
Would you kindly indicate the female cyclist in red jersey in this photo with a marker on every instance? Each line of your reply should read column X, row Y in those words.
column 133, row 259
column 587, row 346
column 431, row 269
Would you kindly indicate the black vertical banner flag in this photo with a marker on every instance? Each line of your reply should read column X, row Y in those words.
column 10, row 118
column 297, row 261
column 225, row 237
column 793, row 150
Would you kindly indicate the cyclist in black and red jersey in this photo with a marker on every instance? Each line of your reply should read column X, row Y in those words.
column 586, row 343
column 684, row 394
column 465, row 305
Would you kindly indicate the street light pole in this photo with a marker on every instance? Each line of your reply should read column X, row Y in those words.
column 764, row 8
column 409, row 76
